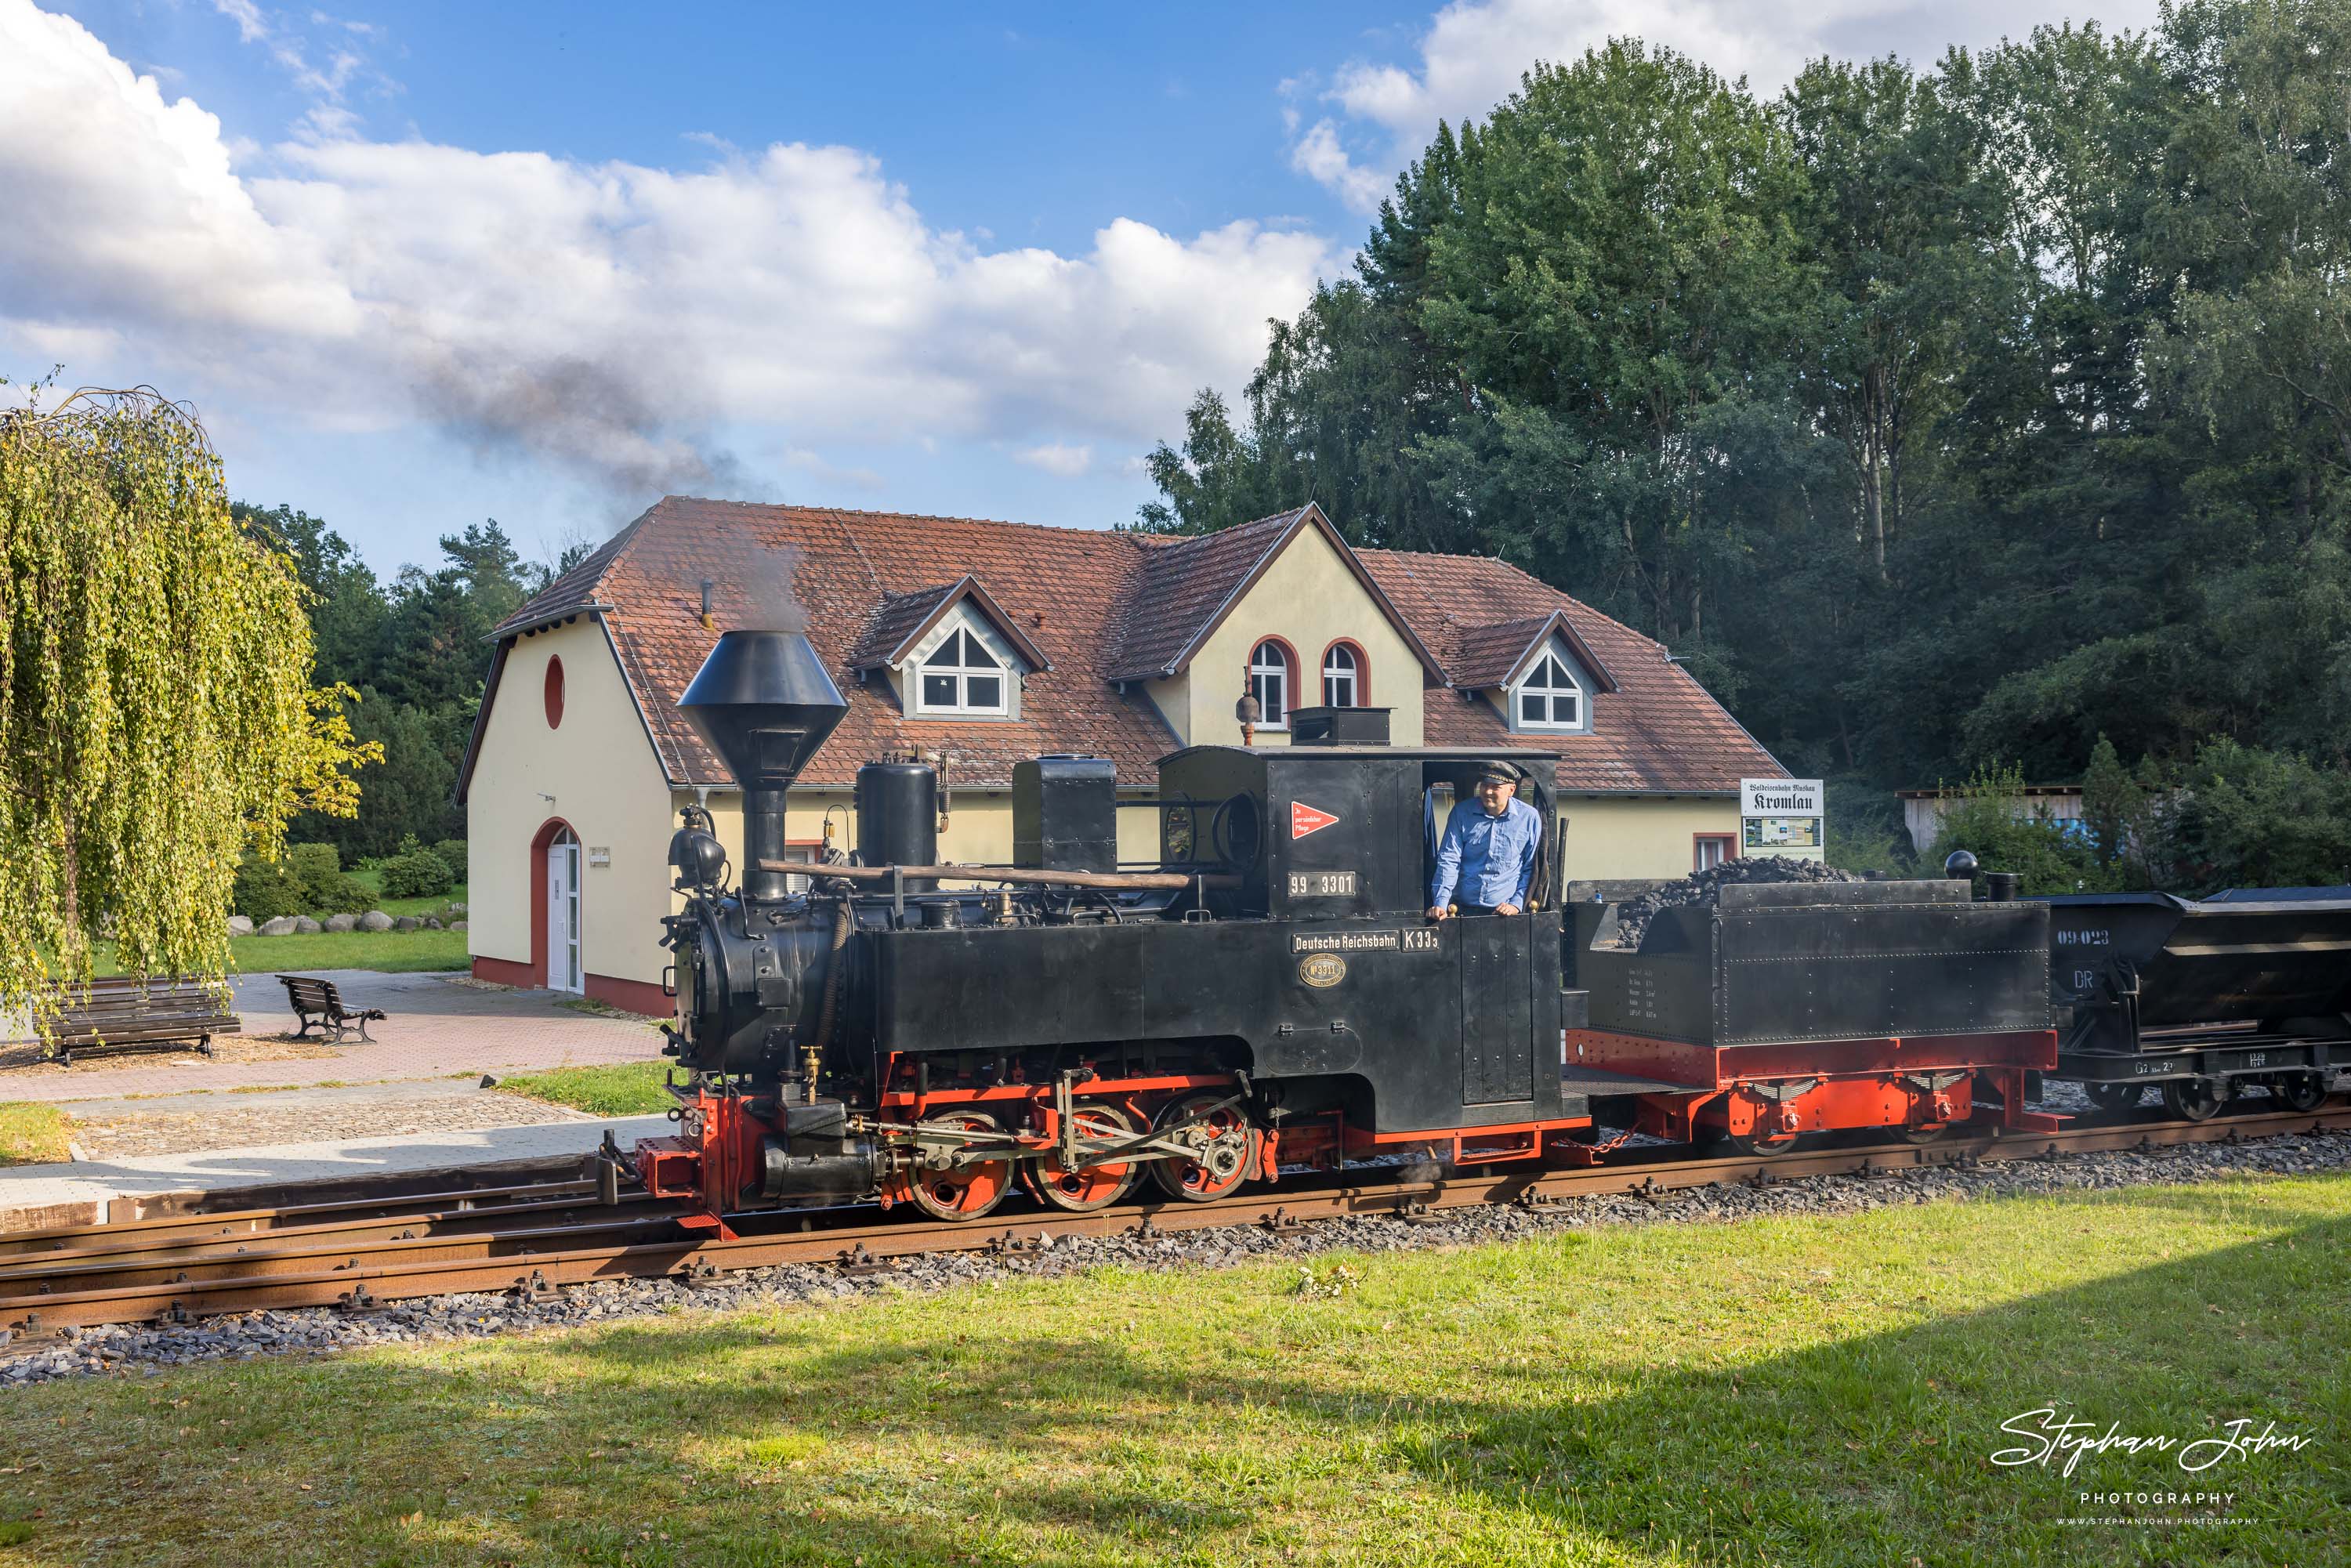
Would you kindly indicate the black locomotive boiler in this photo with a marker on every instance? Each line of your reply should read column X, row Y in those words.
column 1269, row 994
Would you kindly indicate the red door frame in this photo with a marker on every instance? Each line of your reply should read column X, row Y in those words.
column 538, row 844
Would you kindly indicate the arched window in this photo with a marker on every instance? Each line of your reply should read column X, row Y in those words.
column 962, row 676
column 1342, row 677
column 1548, row 697
column 1270, row 684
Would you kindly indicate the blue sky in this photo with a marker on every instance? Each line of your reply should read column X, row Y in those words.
column 420, row 265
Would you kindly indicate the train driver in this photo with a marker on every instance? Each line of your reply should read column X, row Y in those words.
column 1488, row 851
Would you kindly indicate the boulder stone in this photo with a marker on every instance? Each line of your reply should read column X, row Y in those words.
column 306, row 926
column 281, row 926
column 456, row 926
column 406, row 923
column 342, row 922
column 457, row 907
column 240, row 926
column 375, row 920
column 431, row 923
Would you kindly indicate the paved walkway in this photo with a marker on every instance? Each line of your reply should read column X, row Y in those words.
column 439, row 1025
column 35, row 1187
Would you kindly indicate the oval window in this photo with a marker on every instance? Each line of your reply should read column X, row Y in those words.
column 555, row 692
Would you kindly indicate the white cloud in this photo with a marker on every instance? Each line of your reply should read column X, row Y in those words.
column 1317, row 155
column 1475, row 51
column 605, row 316
column 247, row 17
column 1059, row 458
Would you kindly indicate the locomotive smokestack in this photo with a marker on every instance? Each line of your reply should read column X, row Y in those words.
column 763, row 702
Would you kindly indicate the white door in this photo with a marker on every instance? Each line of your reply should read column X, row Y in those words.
column 563, row 913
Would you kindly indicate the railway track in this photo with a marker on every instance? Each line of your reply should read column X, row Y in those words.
column 359, row 1255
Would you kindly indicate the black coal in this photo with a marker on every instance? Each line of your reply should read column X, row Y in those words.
column 1704, row 887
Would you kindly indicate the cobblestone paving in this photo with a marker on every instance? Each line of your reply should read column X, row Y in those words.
column 239, row 1127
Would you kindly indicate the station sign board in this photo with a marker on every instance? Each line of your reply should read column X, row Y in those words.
column 1781, row 817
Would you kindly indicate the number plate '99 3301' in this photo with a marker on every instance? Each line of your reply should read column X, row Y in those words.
column 1322, row 884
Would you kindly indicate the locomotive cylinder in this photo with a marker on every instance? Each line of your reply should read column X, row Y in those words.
column 898, row 817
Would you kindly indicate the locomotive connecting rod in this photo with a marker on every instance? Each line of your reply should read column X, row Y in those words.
column 1119, row 882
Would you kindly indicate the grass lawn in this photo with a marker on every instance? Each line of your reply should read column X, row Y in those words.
column 628, row 1089
column 1824, row 1390
column 372, row 880
column 32, row 1135
column 393, row 952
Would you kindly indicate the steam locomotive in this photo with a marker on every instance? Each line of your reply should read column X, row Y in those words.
column 1269, row 996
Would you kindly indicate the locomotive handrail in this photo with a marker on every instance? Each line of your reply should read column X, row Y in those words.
column 1145, row 881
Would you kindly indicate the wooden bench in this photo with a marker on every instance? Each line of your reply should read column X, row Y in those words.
column 315, row 999
column 129, row 1012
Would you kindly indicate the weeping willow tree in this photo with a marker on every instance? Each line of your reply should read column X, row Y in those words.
column 157, row 719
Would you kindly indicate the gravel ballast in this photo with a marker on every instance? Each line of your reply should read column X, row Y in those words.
column 131, row 1350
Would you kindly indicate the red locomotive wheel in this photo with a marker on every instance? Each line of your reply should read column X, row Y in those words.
column 966, row 1191
column 1088, row 1187
column 1230, row 1159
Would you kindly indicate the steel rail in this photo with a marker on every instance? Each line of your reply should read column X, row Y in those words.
column 404, row 1203
column 423, row 1218
column 537, row 1260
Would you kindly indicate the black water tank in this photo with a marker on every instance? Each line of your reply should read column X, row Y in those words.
column 1065, row 813
column 898, row 817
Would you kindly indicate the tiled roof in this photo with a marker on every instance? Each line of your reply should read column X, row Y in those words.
column 895, row 622
column 1182, row 585
column 1658, row 731
column 1490, row 654
column 1095, row 608
column 903, row 619
column 1059, row 585
column 574, row 590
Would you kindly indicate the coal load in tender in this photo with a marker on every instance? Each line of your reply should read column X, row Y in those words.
column 1704, row 887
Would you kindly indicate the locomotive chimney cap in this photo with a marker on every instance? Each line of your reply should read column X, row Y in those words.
column 763, row 702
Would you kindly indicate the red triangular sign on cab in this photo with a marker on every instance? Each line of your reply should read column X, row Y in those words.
column 1304, row 820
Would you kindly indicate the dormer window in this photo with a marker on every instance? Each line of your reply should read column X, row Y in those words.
column 961, row 676
column 1549, row 698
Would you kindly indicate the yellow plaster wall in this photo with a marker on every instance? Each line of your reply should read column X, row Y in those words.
column 979, row 825
column 1309, row 599
column 1605, row 837
column 606, row 782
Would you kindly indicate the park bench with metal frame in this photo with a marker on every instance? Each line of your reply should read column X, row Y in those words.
column 314, row 1000
column 132, row 1012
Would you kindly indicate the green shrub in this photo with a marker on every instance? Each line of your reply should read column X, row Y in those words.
column 417, row 872
column 1992, row 818
column 265, row 890
column 318, row 872
column 454, row 851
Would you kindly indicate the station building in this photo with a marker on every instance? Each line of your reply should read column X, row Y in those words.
column 983, row 643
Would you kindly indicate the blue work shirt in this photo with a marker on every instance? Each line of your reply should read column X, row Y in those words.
column 1491, row 858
